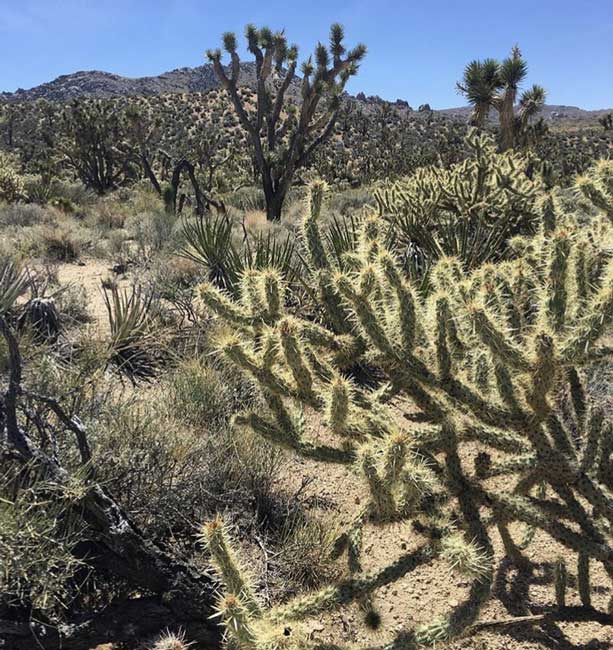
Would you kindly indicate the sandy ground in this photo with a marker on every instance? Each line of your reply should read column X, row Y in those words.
column 90, row 275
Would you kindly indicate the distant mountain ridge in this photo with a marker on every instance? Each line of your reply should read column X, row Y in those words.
column 96, row 83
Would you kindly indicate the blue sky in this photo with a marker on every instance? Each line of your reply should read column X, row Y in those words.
column 417, row 50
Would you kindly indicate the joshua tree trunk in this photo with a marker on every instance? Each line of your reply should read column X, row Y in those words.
column 507, row 121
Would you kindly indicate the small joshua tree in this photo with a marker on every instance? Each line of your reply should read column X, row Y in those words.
column 282, row 135
column 462, row 436
column 490, row 84
column 606, row 121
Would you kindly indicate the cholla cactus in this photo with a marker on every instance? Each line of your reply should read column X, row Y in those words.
column 477, row 363
column 468, row 211
column 597, row 186
column 171, row 641
column 12, row 188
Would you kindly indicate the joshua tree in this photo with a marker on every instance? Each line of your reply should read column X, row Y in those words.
column 94, row 145
column 198, row 156
column 490, row 84
column 606, row 121
column 282, row 135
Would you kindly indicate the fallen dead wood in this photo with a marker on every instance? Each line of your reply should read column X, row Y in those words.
column 181, row 595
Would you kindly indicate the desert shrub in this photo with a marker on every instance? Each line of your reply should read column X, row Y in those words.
column 22, row 215
column 200, row 395
column 171, row 457
column 73, row 304
column 37, row 541
column 246, row 198
column 350, row 202
column 476, row 368
column 59, row 243
column 153, row 230
column 305, row 554
column 74, row 193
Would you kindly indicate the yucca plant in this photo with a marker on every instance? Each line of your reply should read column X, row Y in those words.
column 14, row 283
column 210, row 243
column 136, row 340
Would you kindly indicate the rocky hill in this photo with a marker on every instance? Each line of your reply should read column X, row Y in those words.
column 95, row 83
column 550, row 112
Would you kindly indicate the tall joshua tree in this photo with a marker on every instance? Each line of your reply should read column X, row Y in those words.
column 490, row 84
column 282, row 135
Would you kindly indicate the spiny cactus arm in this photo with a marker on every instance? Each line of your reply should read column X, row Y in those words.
column 223, row 306
column 349, row 590
column 238, row 621
column 593, row 190
column 270, row 431
column 317, row 255
column 346, row 348
column 273, row 294
column 294, row 357
column 368, row 320
column 543, row 376
column 383, row 502
column 562, row 441
column 259, row 366
column 497, row 438
column 443, row 354
column 598, row 315
column 406, row 306
column 227, row 565
column 558, row 268
column 484, row 410
column 500, row 342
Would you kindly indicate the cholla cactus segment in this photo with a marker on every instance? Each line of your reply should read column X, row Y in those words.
column 470, row 210
column 467, row 367
column 318, row 257
column 238, row 622
column 465, row 556
column 597, row 186
column 171, row 641
column 227, row 565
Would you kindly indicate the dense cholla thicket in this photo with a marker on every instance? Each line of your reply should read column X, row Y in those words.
column 461, row 433
column 469, row 210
